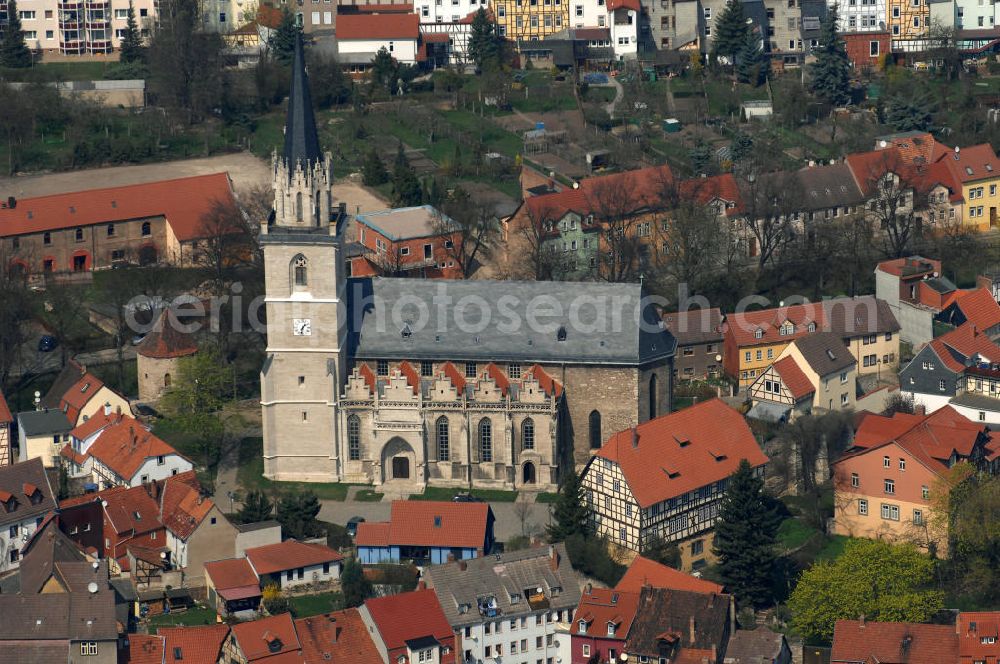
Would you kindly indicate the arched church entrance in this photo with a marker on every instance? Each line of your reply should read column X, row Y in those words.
column 398, row 460
column 528, row 473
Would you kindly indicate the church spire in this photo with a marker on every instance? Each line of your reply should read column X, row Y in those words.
column 301, row 140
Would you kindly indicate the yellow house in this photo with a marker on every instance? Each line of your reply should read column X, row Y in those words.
column 908, row 20
column 80, row 395
column 978, row 170
column 527, row 20
column 753, row 340
column 42, row 434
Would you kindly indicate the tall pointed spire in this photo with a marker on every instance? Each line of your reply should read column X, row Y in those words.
column 301, row 140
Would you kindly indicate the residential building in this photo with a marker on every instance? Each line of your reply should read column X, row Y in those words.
column 865, row 49
column 892, row 643
column 534, row 20
column 680, row 626
column 757, row 646
column 866, row 16
column 159, row 355
column 98, row 228
column 936, row 373
column 339, row 636
column 977, row 170
column 965, row 16
column 666, row 478
column 586, row 48
column 273, row 637
column 75, row 627
column 884, row 484
column 908, row 21
column 813, row 373
column 6, row 436
column 233, row 587
column 26, row 497
column 80, row 395
column 601, row 625
column 645, row 572
column 292, row 563
column 41, row 434
column 755, row 339
column 261, row 533
column 193, row 644
column 52, row 563
column 400, row 386
column 978, row 637
column 144, row 649
column 916, row 292
column 977, row 307
column 827, row 192
column 699, row 342
column 507, row 606
column 361, row 36
column 64, row 28
column 197, row 530
column 126, row 453
column 409, row 628
column 428, row 533
column 406, row 242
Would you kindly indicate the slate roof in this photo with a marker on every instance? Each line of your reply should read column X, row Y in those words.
column 667, row 615
column 825, row 187
column 758, row 646
column 893, row 643
column 795, row 381
column 644, row 571
column 301, row 140
column 15, row 481
column 464, row 582
column 182, row 201
column 43, row 422
column 66, row 378
column 825, row 353
column 430, row 523
column 682, row 451
column 695, row 326
column 289, row 554
column 406, row 616
column 77, row 616
column 340, row 636
column 197, row 644
column 595, row 339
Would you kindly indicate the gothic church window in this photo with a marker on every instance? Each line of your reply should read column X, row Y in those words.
column 300, row 268
column 595, row 429
column 485, row 440
column 353, row 438
column 528, row 434
column 443, row 446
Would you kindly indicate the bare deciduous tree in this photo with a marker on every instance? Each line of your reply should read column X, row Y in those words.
column 473, row 230
column 770, row 200
column 536, row 234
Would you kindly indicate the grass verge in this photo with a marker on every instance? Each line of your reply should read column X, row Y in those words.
column 368, row 496
column 444, row 493
column 250, row 475
column 197, row 615
column 303, row 606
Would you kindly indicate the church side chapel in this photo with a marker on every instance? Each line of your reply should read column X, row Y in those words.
column 349, row 395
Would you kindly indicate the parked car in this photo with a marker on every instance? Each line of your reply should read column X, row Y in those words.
column 466, row 497
column 47, row 343
column 146, row 412
column 352, row 525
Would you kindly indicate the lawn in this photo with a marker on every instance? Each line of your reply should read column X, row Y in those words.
column 303, row 606
column 197, row 615
column 444, row 493
column 833, row 548
column 546, row 497
column 368, row 496
column 58, row 71
column 793, row 533
column 250, row 475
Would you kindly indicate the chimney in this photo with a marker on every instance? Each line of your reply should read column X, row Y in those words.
column 553, row 558
column 861, row 620
column 982, row 281
column 421, row 585
column 919, row 409
column 107, row 409
column 462, row 565
column 715, row 655
column 691, row 630
column 11, row 202
column 635, row 437
column 590, row 589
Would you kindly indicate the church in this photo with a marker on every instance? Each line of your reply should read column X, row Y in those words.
column 412, row 383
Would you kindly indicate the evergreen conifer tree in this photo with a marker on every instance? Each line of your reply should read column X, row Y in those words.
column 282, row 40
column 484, row 42
column 569, row 513
column 729, row 31
column 831, row 73
column 131, row 49
column 373, row 171
column 751, row 61
column 14, row 51
column 744, row 538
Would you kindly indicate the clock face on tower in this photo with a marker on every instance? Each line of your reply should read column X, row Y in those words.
column 301, row 327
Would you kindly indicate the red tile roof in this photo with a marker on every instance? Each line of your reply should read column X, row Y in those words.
column 910, row 266
column 182, row 505
column 882, row 642
column 682, row 451
column 632, row 191
column 233, row 578
column 340, row 636
column 411, row 375
column 979, row 307
column 602, row 606
column 644, row 571
column 974, row 626
column 143, row 649
column 829, row 316
column 96, row 422
column 199, row 644
column 717, row 187
column 67, row 452
column 4, row 411
column 455, row 376
column 406, row 616
column 795, row 381
column 917, row 148
column 166, row 340
column 432, row 37
column 627, row 4
column 497, row 376
column 125, row 445
column 966, row 341
column 970, row 164
column 375, row 27
column 183, row 202
column 868, row 168
column 430, row 523
column 378, row 8
column 131, row 510
column 254, row 637
column 77, row 396
column 551, row 386
column 373, row 533
column 289, row 554
column 365, row 372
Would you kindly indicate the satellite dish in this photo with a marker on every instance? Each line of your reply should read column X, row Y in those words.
column 538, row 590
column 95, row 564
column 91, row 587
column 718, row 358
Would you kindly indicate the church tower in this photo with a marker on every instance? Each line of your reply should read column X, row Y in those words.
column 304, row 295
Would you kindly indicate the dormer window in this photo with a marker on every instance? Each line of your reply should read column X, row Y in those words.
column 611, row 629
column 582, row 626
column 561, row 334
column 812, row 327
column 758, row 333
